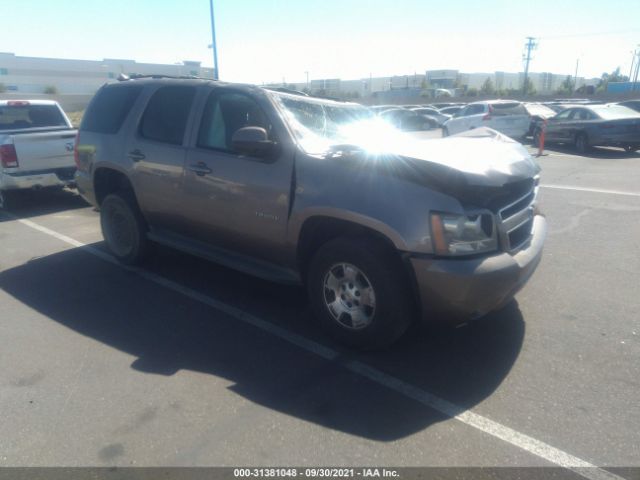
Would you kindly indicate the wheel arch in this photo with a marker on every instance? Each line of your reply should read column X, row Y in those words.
column 316, row 230
column 107, row 180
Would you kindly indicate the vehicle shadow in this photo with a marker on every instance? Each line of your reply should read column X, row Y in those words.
column 33, row 203
column 167, row 331
column 605, row 153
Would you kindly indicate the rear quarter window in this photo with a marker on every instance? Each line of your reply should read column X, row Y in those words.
column 109, row 109
column 165, row 118
column 17, row 117
column 511, row 108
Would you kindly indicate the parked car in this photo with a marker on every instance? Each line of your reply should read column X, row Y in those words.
column 439, row 117
column 382, row 228
column 36, row 147
column 508, row 117
column 452, row 110
column 586, row 126
column 408, row 121
column 538, row 113
column 442, row 105
column 632, row 104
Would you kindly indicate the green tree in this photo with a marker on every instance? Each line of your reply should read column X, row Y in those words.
column 487, row 87
column 614, row 76
column 566, row 88
column 50, row 90
column 471, row 92
column 2, row 88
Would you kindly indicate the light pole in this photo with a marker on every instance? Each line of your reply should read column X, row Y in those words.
column 214, row 45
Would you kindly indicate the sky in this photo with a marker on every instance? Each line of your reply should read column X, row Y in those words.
column 263, row 41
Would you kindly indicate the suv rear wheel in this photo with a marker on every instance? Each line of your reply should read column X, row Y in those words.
column 360, row 293
column 123, row 228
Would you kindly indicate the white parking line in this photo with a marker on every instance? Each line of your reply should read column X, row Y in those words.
column 592, row 190
column 484, row 424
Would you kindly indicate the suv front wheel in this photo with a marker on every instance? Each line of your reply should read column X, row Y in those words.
column 123, row 228
column 360, row 293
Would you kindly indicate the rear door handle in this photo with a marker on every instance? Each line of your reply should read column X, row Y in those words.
column 200, row 168
column 136, row 155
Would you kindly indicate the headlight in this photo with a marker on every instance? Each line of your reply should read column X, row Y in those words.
column 454, row 234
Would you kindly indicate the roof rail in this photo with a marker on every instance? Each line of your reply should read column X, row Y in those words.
column 136, row 76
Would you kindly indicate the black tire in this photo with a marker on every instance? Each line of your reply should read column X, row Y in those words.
column 8, row 199
column 582, row 143
column 394, row 307
column 123, row 228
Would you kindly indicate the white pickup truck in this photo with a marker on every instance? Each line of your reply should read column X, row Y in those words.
column 36, row 147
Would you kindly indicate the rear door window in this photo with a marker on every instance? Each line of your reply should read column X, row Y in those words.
column 510, row 108
column 21, row 115
column 166, row 115
column 109, row 109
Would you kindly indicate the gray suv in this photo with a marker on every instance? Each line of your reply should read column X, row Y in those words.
column 381, row 227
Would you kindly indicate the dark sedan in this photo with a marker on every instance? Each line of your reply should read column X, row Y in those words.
column 633, row 104
column 408, row 120
column 538, row 113
column 594, row 125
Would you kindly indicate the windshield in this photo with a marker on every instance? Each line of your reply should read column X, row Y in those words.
column 318, row 125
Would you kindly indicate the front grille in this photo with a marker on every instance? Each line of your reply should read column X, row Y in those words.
column 515, row 220
column 496, row 198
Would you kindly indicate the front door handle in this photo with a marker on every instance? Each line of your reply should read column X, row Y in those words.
column 136, row 155
column 200, row 168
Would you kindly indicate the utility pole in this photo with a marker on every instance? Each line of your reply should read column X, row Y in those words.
column 530, row 45
column 307, row 74
column 635, row 77
column 633, row 62
column 575, row 77
column 214, row 45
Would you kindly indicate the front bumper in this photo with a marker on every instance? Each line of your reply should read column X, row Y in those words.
column 457, row 290
column 58, row 177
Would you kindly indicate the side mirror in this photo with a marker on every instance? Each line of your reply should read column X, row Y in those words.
column 252, row 141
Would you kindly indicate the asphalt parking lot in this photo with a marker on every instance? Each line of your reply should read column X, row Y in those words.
column 185, row 363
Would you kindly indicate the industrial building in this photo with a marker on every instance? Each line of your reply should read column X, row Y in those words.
column 64, row 76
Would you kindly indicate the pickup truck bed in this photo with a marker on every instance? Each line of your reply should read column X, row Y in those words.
column 36, row 146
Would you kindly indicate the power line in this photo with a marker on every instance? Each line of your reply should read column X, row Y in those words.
column 592, row 34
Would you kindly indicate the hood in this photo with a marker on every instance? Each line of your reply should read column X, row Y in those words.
column 482, row 156
column 480, row 167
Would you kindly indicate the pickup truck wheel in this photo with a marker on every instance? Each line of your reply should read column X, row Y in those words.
column 360, row 293
column 7, row 199
column 123, row 228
